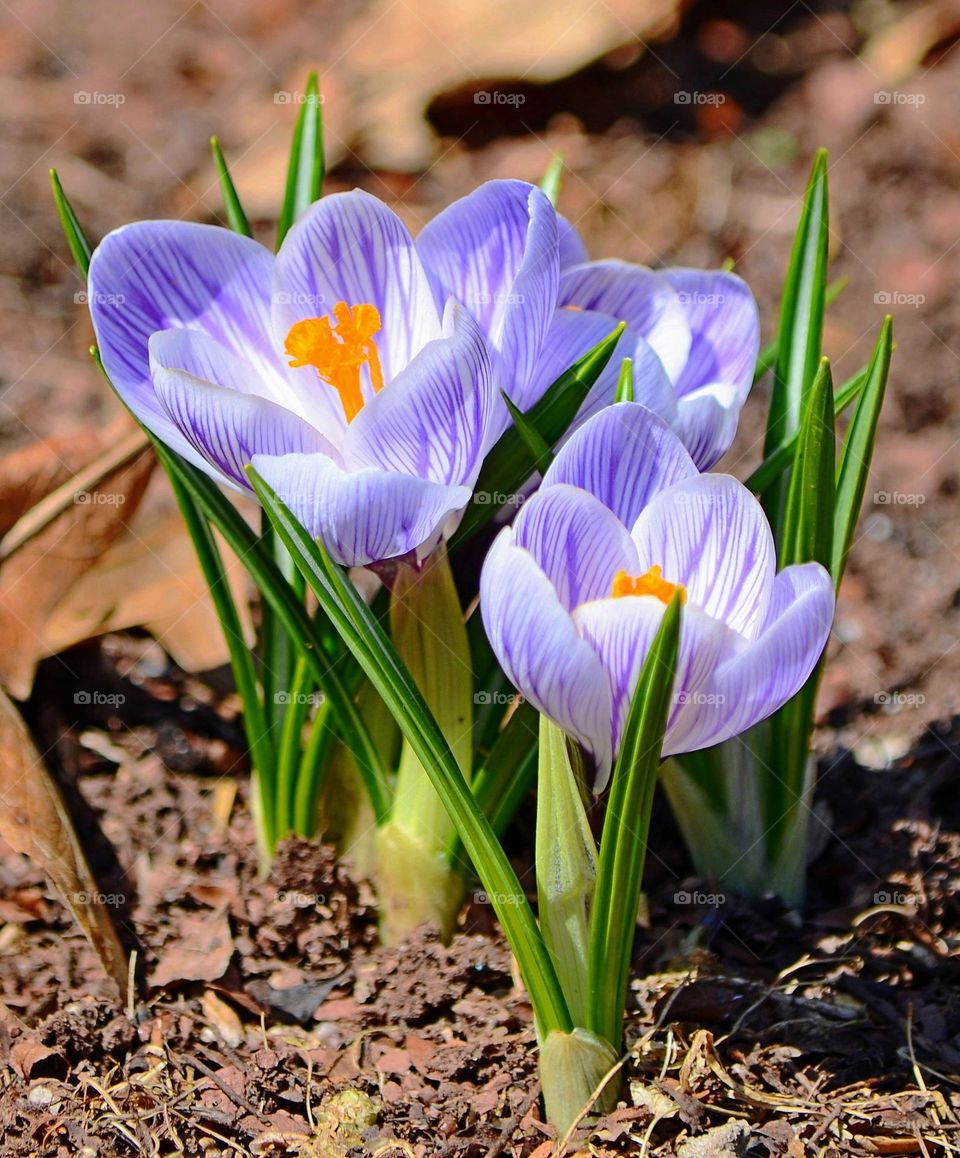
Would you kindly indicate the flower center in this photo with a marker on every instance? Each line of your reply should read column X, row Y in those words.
column 339, row 352
column 651, row 583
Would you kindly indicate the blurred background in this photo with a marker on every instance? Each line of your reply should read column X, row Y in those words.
column 687, row 130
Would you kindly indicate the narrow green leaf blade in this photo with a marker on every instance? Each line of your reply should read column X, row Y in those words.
column 767, row 357
column 510, row 463
column 809, row 513
column 77, row 239
column 625, row 382
column 623, row 843
column 366, row 639
column 777, row 462
column 236, row 217
column 552, row 179
column 857, row 451
column 533, row 439
column 306, row 168
column 800, row 332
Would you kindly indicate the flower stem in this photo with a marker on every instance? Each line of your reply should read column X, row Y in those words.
column 414, row 876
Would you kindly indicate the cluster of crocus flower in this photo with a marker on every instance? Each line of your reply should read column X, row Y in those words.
column 364, row 375
column 361, row 370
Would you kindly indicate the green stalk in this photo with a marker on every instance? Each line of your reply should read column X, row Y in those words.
column 623, row 842
column 415, row 880
column 314, row 766
column 566, row 866
column 290, row 748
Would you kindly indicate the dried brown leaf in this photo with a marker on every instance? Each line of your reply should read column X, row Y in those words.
column 35, row 822
column 56, row 542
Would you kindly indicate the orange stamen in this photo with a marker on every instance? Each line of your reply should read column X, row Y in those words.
column 652, row 583
column 339, row 352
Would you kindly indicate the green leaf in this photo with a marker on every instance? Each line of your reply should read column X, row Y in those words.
column 366, row 639
column 510, row 463
column 552, row 179
column 534, row 441
column 808, row 517
column 807, row 537
column 775, row 464
column 855, row 459
column 77, row 239
column 236, row 217
column 768, row 355
column 306, row 168
column 623, row 843
column 800, row 332
column 625, row 382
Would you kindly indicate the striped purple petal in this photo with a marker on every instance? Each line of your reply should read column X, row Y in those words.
column 710, row 534
column 624, row 456
column 496, row 252
column 351, row 247
column 432, row 420
column 363, row 516
column 159, row 275
column 577, row 542
column 542, row 654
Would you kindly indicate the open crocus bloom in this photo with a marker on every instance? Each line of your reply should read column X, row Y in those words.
column 342, row 368
column 693, row 335
column 573, row 593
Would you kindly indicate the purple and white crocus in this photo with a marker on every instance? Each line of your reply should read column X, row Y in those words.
column 693, row 336
column 359, row 370
column 573, row 592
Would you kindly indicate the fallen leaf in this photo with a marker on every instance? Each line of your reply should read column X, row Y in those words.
column 201, row 951
column 35, row 822
column 150, row 578
column 56, row 541
column 27, row 1053
column 222, row 1019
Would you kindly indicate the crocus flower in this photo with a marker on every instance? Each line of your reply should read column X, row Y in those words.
column 573, row 592
column 693, row 335
column 358, row 370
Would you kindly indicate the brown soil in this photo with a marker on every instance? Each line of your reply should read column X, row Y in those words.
column 271, row 1021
